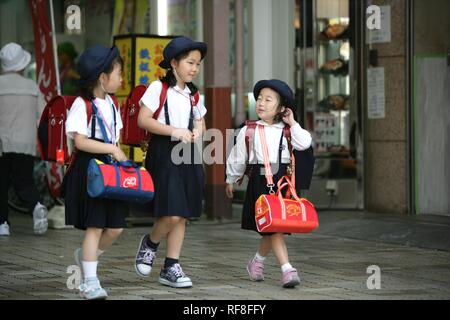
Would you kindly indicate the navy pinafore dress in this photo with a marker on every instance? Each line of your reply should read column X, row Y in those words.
column 179, row 188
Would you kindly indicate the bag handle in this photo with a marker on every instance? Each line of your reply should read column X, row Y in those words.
column 128, row 164
column 116, row 168
column 268, row 169
column 282, row 183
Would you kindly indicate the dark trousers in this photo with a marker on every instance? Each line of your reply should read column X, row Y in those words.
column 18, row 169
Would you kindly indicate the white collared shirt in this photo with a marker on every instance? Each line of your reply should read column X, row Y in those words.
column 77, row 118
column 178, row 104
column 237, row 159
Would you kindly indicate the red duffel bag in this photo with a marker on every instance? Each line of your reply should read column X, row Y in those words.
column 285, row 215
column 273, row 213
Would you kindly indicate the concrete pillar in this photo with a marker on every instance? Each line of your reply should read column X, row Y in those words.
column 239, row 58
column 273, row 40
column 385, row 139
column 218, row 99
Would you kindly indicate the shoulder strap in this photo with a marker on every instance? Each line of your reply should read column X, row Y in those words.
column 196, row 98
column 162, row 99
column 115, row 101
column 249, row 135
column 100, row 123
column 287, row 135
column 89, row 115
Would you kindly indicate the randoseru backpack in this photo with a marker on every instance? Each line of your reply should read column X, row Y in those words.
column 53, row 143
column 132, row 135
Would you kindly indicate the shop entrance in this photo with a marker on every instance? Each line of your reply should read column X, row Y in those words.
column 328, row 88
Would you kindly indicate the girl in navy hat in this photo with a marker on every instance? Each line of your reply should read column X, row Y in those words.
column 103, row 219
column 274, row 106
column 179, row 184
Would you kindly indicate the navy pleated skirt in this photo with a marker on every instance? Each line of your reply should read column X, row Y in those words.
column 257, row 186
column 179, row 187
column 83, row 211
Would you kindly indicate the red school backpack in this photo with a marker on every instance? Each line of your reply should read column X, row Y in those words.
column 52, row 128
column 132, row 135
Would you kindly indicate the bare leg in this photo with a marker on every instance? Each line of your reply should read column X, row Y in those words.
column 90, row 244
column 175, row 239
column 279, row 248
column 108, row 237
column 265, row 245
column 162, row 227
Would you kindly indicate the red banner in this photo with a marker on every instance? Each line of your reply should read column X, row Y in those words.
column 45, row 63
column 45, row 75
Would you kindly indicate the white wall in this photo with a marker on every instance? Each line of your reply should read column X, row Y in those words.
column 272, row 37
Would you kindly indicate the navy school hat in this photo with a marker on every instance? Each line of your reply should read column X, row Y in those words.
column 287, row 96
column 179, row 45
column 94, row 61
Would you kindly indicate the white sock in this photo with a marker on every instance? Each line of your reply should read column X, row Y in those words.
column 285, row 267
column 89, row 269
column 259, row 257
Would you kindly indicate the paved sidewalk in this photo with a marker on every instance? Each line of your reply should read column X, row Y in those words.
column 413, row 255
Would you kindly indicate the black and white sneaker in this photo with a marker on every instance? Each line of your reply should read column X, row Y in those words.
column 174, row 277
column 144, row 258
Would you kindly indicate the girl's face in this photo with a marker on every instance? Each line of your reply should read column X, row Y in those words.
column 268, row 105
column 112, row 82
column 187, row 68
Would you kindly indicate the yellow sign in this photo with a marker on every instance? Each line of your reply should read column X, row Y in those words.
column 149, row 53
column 141, row 55
column 125, row 50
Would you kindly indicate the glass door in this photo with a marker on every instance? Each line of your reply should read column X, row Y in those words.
column 330, row 100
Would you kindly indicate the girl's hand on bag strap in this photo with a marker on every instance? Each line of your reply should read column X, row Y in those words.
column 118, row 154
column 183, row 135
column 229, row 190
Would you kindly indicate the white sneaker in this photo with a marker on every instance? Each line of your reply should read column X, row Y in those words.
column 4, row 229
column 40, row 219
column 91, row 289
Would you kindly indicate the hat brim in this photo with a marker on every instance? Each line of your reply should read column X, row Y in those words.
column 290, row 102
column 21, row 65
column 113, row 53
column 200, row 46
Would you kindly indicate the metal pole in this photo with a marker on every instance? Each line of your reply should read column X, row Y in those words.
column 239, row 61
column 55, row 52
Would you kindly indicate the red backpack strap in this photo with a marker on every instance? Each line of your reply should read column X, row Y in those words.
column 249, row 135
column 162, row 99
column 89, row 108
column 287, row 135
column 115, row 101
column 88, row 117
column 196, row 98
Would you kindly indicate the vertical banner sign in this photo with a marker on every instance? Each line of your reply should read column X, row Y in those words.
column 45, row 65
column 45, row 75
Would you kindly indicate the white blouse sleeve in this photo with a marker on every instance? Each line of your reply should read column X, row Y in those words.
column 237, row 160
column 77, row 119
column 150, row 99
column 301, row 138
column 199, row 110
